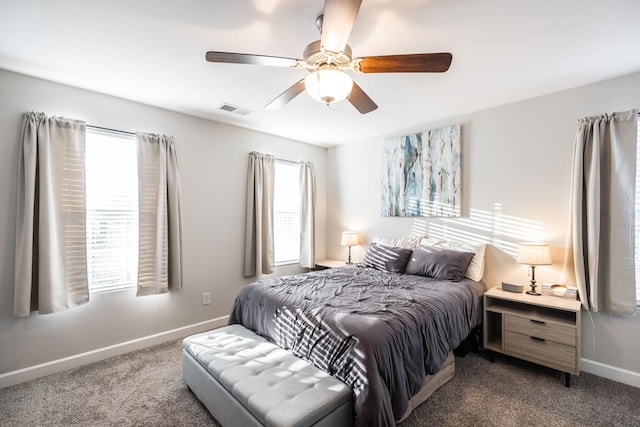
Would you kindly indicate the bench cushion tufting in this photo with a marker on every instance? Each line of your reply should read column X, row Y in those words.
column 276, row 387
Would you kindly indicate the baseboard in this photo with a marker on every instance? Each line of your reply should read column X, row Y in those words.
column 37, row 371
column 610, row 372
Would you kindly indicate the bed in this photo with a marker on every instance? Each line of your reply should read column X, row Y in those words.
column 377, row 328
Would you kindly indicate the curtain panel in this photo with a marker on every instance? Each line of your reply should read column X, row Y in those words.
column 50, row 255
column 307, row 215
column 160, row 215
column 603, row 212
column 259, row 249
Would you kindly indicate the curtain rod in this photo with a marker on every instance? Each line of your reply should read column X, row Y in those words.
column 277, row 159
column 293, row 162
column 112, row 130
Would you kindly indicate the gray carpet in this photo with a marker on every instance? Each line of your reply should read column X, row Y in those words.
column 145, row 388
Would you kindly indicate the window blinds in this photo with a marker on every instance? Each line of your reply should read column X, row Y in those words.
column 112, row 210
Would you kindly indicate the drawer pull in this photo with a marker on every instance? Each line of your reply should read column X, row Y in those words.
column 537, row 339
column 537, row 321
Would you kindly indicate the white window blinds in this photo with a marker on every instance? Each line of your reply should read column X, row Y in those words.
column 286, row 213
column 112, row 210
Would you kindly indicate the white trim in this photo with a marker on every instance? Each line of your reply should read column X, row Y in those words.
column 47, row 368
column 610, row 372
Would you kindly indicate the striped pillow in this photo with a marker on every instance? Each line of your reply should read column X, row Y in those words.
column 387, row 258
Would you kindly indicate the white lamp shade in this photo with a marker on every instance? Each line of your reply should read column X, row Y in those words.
column 328, row 86
column 349, row 238
column 534, row 253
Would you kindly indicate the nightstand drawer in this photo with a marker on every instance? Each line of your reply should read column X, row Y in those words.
column 562, row 334
column 544, row 352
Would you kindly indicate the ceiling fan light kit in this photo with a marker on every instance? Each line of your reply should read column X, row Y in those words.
column 328, row 85
column 328, row 59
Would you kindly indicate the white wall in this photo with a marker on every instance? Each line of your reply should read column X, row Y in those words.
column 213, row 162
column 516, row 177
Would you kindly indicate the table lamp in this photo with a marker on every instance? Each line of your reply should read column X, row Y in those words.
column 534, row 254
column 349, row 238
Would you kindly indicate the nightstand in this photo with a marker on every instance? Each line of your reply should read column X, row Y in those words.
column 329, row 263
column 540, row 329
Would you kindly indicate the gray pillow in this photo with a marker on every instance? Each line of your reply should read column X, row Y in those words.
column 439, row 263
column 388, row 258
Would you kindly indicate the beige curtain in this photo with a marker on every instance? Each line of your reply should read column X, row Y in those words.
column 50, row 256
column 160, row 215
column 307, row 215
column 259, row 245
column 603, row 211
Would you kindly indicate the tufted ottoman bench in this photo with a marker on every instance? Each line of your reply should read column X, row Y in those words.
column 245, row 380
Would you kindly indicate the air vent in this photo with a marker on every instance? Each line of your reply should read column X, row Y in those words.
column 235, row 109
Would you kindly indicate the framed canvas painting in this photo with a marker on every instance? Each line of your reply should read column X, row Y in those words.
column 421, row 174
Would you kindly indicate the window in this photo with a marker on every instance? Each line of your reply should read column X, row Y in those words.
column 286, row 210
column 637, row 252
column 112, row 210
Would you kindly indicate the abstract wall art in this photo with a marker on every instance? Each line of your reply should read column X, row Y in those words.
column 421, row 174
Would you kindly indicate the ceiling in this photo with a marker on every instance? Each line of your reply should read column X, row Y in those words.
column 153, row 51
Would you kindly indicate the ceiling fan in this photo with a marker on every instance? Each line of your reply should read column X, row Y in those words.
column 327, row 60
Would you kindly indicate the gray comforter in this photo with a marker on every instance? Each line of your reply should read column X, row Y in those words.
column 381, row 333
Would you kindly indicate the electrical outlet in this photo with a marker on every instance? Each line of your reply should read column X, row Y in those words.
column 206, row 298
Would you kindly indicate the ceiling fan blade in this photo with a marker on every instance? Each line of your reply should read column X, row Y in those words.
column 361, row 100
column 413, row 63
column 337, row 22
column 245, row 58
column 286, row 96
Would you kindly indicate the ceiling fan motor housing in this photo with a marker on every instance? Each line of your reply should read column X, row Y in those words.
column 316, row 56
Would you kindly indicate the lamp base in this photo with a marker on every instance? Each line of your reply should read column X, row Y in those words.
column 533, row 291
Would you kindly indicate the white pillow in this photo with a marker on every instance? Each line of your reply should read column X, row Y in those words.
column 476, row 268
column 430, row 241
column 401, row 242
